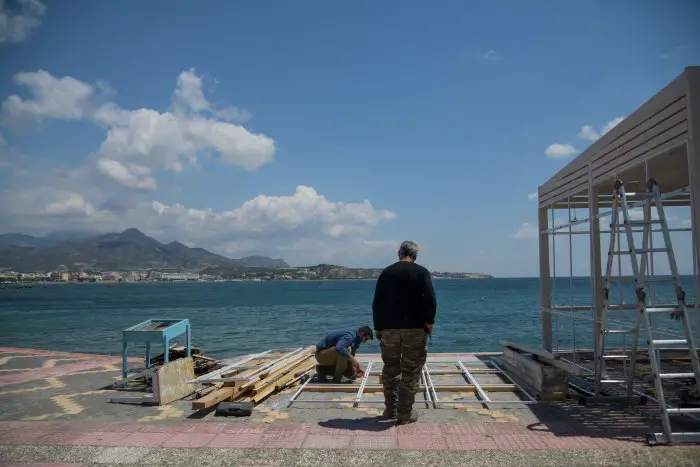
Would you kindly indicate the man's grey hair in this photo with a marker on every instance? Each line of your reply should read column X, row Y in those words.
column 408, row 249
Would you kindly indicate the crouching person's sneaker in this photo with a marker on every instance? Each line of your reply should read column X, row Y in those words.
column 405, row 419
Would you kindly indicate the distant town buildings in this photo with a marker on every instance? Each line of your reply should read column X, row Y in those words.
column 320, row 272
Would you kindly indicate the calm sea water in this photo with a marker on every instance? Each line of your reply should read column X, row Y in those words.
column 237, row 317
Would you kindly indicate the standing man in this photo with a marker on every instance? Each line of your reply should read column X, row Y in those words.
column 335, row 353
column 404, row 309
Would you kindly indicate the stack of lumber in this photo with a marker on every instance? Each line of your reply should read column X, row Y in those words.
column 202, row 364
column 257, row 379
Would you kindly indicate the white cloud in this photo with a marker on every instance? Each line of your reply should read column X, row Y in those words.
column 560, row 151
column 490, row 55
column 15, row 26
column 63, row 98
column 532, row 196
column 69, row 204
column 262, row 225
column 589, row 133
column 526, row 231
column 189, row 97
column 132, row 176
column 142, row 141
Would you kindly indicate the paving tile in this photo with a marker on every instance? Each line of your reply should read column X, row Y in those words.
column 236, row 428
column 189, row 440
column 464, row 428
column 282, row 439
column 64, row 438
column 419, row 429
column 327, row 442
column 175, row 428
column 145, row 439
column 99, row 438
column 472, row 442
column 374, row 442
column 237, row 440
column 422, row 442
column 205, row 427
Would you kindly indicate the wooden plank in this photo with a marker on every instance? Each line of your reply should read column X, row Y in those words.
column 548, row 357
column 548, row 382
column 379, row 388
column 171, row 380
column 281, row 367
column 260, row 394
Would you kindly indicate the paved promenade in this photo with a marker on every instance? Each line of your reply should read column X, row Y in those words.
column 54, row 409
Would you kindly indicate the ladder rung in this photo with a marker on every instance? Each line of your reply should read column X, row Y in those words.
column 619, row 331
column 642, row 250
column 676, row 375
column 649, row 222
column 669, row 341
column 617, row 357
column 683, row 410
column 662, row 310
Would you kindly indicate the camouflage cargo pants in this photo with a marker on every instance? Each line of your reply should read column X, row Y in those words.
column 403, row 352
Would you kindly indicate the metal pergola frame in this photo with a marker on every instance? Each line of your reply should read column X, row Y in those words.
column 659, row 140
column 427, row 385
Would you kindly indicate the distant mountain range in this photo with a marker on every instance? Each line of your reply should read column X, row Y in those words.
column 128, row 250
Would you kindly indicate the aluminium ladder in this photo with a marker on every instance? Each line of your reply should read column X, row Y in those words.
column 678, row 311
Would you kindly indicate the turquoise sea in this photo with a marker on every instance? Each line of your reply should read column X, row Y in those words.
column 233, row 318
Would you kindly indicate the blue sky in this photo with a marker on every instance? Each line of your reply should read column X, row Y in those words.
column 198, row 121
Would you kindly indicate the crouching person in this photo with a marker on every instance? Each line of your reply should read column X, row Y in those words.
column 335, row 354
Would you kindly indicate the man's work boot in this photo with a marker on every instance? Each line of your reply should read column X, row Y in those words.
column 406, row 419
column 389, row 413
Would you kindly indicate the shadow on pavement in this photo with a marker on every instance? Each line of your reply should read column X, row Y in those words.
column 375, row 424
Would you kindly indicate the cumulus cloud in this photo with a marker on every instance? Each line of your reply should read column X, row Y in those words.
column 62, row 98
column 143, row 141
column 18, row 23
column 262, row 225
column 526, row 231
column 589, row 133
column 560, row 151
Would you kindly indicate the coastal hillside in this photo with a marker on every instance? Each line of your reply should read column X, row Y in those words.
column 128, row 250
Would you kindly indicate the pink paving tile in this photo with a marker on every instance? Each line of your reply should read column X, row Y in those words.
column 114, row 427
column 237, row 440
column 64, row 438
column 240, row 428
column 21, row 437
column 202, row 427
column 287, row 428
column 519, row 442
column 145, row 439
column 374, row 442
column 99, row 438
column 189, row 440
column 419, row 429
column 283, row 439
column 326, row 442
column 422, row 442
column 470, row 443
column 161, row 429
column 464, row 428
